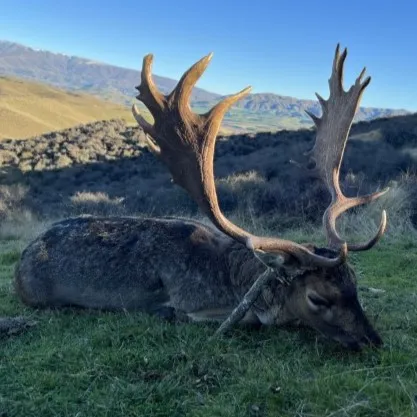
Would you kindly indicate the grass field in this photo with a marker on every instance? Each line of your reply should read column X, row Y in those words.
column 86, row 364
column 239, row 120
column 29, row 109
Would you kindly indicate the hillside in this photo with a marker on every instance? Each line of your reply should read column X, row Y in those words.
column 283, row 106
column 105, row 167
column 29, row 109
column 257, row 112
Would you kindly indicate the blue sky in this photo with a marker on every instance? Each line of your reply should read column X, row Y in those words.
column 284, row 47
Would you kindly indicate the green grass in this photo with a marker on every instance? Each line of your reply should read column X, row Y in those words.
column 80, row 363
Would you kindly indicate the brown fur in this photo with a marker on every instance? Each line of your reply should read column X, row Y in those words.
column 179, row 268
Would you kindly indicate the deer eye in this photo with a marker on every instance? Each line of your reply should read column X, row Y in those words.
column 317, row 302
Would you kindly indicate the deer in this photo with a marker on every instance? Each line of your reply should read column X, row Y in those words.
column 185, row 269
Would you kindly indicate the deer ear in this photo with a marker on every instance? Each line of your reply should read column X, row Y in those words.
column 310, row 247
column 272, row 260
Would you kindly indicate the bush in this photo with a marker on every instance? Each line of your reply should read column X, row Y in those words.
column 106, row 168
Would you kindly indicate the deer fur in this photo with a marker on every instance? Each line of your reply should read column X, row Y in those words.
column 176, row 269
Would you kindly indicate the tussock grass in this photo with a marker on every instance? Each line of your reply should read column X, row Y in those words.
column 110, row 158
column 355, row 225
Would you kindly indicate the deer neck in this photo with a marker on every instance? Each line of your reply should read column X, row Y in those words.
column 245, row 268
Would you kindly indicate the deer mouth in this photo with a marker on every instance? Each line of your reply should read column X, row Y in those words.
column 364, row 338
column 372, row 340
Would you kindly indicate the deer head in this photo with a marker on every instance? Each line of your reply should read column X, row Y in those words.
column 322, row 289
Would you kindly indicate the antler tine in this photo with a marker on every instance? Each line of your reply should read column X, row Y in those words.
column 186, row 145
column 333, row 211
column 216, row 114
column 149, row 94
column 182, row 91
column 147, row 127
column 333, row 129
column 336, row 79
column 371, row 242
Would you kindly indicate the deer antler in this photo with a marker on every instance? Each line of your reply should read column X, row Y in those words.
column 186, row 143
column 332, row 132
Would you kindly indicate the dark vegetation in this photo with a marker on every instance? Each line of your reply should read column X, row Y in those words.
column 106, row 168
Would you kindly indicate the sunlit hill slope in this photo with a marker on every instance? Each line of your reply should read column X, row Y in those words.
column 28, row 109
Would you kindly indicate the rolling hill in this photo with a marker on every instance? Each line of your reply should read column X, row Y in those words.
column 29, row 109
column 257, row 112
column 284, row 106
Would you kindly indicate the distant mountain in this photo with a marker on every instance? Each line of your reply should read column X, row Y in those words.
column 74, row 73
column 290, row 106
column 257, row 112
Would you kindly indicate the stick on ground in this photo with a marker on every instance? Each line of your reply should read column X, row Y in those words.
column 250, row 297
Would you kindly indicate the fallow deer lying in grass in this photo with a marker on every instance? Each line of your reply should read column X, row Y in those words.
column 176, row 267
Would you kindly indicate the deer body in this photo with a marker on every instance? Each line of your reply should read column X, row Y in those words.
column 176, row 269
column 168, row 267
column 172, row 267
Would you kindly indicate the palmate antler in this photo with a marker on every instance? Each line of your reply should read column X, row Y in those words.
column 186, row 142
column 332, row 132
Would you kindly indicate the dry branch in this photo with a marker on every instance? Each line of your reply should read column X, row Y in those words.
column 250, row 297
